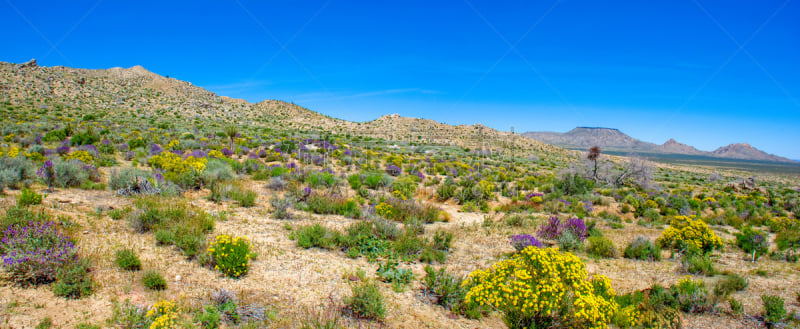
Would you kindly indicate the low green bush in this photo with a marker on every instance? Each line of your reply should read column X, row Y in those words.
column 74, row 280
column 601, row 247
column 774, row 309
column 643, row 249
column 153, row 280
column 314, row 235
column 366, row 301
column 128, row 260
column 28, row 197
column 398, row 277
column 694, row 263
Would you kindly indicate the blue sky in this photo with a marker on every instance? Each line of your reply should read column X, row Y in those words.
column 707, row 73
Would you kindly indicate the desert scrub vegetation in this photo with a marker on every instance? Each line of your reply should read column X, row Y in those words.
column 374, row 238
column 230, row 255
column 535, row 288
column 173, row 223
column 128, row 260
column 689, row 234
column 366, row 301
column 168, row 152
column 37, row 251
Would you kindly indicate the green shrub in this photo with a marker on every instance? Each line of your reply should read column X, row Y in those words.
column 694, row 263
column 447, row 190
column 333, row 205
column 153, row 280
column 209, row 318
column 788, row 239
column 774, row 311
column 73, row 280
column 601, row 247
column 126, row 177
column 643, row 249
column 397, row 277
column 127, row 315
column 573, row 185
column 692, row 296
column 409, row 246
column 736, row 306
column 446, row 290
column 231, row 255
column 377, row 180
column 245, row 198
column 46, row 323
column 16, row 172
column 69, row 173
column 28, row 197
column 354, row 181
column 366, row 301
column 128, row 260
column 175, row 222
column 752, row 241
column 442, row 240
column 281, row 206
column 569, row 241
column 314, row 236
column 729, row 283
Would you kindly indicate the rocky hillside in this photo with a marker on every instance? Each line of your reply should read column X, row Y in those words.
column 615, row 140
column 746, row 151
column 672, row 146
column 586, row 137
column 138, row 93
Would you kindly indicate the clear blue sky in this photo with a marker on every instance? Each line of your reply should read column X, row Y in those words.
column 707, row 73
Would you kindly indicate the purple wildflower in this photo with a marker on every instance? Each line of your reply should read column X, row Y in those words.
column 522, row 241
column 393, row 170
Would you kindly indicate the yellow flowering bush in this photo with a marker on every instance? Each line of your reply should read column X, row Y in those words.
column 8, row 138
column 173, row 144
column 12, row 152
column 689, row 233
column 231, row 255
column 172, row 162
column 163, row 314
column 384, row 210
column 539, row 287
column 83, row 156
column 216, row 154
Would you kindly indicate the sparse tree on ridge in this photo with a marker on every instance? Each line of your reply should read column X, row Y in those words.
column 594, row 155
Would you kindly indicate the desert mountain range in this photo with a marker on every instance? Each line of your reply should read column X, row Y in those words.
column 137, row 92
column 613, row 139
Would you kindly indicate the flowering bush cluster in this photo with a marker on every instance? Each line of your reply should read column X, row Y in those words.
column 752, row 241
column 172, row 162
column 539, row 287
column 83, row 156
column 34, row 252
column 687, row 233
column 384, row 210
column 522, row 241
column 163, row 315
column 231, row 255
column 555, row 228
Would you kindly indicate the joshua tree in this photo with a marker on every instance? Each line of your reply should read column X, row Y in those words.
column 231, row 132
column 593, row 155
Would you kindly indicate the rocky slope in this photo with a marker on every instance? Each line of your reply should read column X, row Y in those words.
column 746, row 151
column 138, row 93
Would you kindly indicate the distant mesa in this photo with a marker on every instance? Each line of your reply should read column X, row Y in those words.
column 615, row 140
